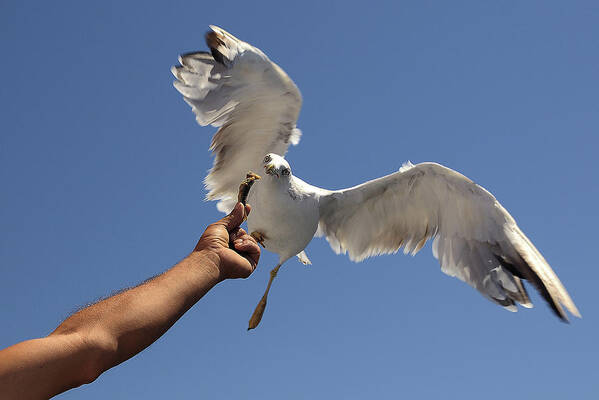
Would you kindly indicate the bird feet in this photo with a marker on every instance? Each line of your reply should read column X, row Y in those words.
column 273, row 273
column 259, row 237
column 259, row 311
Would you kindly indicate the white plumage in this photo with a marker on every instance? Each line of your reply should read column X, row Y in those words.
column 255, row 105
column 251, row 100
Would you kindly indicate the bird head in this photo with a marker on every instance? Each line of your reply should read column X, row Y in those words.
column 276, row 166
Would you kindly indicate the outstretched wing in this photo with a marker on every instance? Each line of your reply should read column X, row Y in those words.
column 249, row 98
column 476, row 239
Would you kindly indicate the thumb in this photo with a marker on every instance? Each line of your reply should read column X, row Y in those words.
column 235, row 218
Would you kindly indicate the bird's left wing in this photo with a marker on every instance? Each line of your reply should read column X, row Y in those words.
column 476, row 239
column 249, row 98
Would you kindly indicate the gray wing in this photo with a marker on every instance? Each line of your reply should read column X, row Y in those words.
column 249, row 98
column 476, row 239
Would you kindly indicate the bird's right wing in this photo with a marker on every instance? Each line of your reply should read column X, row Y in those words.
column 249, row 98
column 476, row 239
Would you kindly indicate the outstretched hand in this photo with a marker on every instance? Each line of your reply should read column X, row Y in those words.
column 236, row 252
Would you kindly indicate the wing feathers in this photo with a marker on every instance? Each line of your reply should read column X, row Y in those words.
column 476, row 239
column 254, row 103
column 536, row 270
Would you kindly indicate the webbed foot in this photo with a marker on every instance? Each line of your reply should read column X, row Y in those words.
column 259, row 237
column 259, row 311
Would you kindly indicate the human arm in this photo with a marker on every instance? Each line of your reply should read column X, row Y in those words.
column 113, row 330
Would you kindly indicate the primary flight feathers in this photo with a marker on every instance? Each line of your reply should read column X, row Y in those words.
column 255, row 105
column 249, row 98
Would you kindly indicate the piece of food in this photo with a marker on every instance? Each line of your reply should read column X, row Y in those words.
column 244, row 188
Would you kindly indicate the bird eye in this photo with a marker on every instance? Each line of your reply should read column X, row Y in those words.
column 285, row 172
column 267, row 159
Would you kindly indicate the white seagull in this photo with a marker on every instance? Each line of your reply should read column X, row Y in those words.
column 255, row 105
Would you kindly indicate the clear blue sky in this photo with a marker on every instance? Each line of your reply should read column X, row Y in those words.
column 101, row 168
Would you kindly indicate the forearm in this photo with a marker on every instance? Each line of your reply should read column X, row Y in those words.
column 105, row 334
column 127, row 323
column 41, row 368
column 115, row 329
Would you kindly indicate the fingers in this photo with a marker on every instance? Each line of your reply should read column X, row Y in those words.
column 249, row 250
column 237, row 234
column 251, row 254
column 247, row 247
column 234, row 219
column 241, row 240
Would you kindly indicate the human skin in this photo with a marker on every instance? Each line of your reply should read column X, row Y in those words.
column 115, row 329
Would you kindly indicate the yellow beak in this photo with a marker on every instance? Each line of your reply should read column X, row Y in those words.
column 270, row 169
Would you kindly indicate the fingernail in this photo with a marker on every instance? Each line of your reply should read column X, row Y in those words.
column 238, row 241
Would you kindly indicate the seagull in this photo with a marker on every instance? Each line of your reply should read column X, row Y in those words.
column 255, row 106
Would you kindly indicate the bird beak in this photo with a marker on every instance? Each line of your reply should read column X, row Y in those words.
column 271, row 170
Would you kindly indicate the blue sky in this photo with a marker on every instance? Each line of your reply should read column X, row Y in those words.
column 101, row 167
